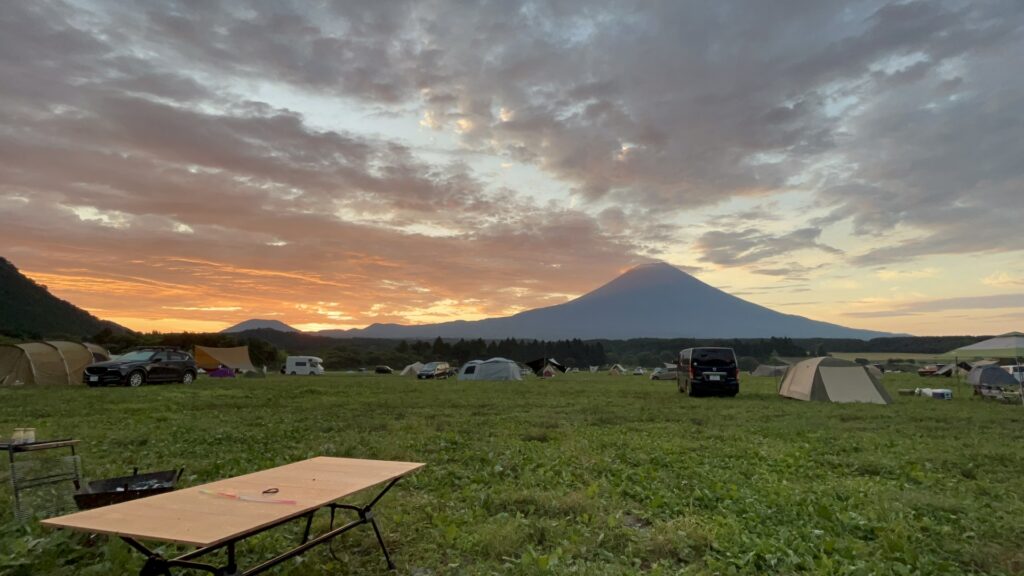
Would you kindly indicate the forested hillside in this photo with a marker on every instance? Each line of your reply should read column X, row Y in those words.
column 29, row 311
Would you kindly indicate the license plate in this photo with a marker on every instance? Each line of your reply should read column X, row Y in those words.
column 94, row 378
column 713, row 377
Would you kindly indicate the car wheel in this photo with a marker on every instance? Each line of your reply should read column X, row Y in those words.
column 293, row 373
column 188, row 377
column 136, row 379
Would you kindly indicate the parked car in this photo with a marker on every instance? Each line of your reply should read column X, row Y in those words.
column 143, row 366
column 664, row 374
column 383, row 370
column 638, row 371
column 434, row 370
column 303, row 366
column 708, row 372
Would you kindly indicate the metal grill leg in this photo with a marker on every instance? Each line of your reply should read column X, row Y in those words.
column 380, row 540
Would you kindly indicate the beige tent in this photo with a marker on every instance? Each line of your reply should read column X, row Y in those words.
column 235, row 358
column 616, row 370
column 830, row 379
column 769, row 370
column 47, row 363
column 412, row 369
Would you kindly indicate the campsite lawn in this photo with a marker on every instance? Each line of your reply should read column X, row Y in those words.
column 584, row 474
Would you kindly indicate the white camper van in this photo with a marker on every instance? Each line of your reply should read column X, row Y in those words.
column 304, row 365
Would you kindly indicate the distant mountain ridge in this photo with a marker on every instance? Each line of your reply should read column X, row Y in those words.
column 649, row 301
column 259, row 324
column 28, row 310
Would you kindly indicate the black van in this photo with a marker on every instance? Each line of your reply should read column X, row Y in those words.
column 708, row 372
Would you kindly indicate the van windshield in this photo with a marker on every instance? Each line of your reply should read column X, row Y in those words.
column 431, row 366
column 713, row 357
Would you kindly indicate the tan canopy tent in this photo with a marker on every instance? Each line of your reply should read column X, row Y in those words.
column 769, row 370
column 616, row 370
column 52, row 363
column 412, row 369
column 830, row 379
column 236, row 358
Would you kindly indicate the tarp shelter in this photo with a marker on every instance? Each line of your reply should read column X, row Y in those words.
column 1009, row 345
column 545, row 366
column 830, row 379
column 52, row 363
column 236, row 358
column 493, row 369
column 616, row 370
column 769, row 370
column 412, row 369
column 990, row 376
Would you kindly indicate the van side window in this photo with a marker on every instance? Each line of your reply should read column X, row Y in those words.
column 302, row 363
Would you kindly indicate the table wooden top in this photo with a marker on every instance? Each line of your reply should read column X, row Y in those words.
column 196, row 517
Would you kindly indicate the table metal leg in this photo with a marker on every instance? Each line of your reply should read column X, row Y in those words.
column 380, row 540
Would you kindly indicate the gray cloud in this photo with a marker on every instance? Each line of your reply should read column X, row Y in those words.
column 990, row 302
column 750, row 245
column 903, row 116
column 900, row 118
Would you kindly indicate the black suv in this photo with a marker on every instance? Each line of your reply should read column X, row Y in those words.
column 708, row 372
column 143, row 366
column 434, row 370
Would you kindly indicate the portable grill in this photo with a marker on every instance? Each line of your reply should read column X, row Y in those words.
column 124, row 488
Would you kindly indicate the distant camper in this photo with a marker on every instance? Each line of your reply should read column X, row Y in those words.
column 304, row 366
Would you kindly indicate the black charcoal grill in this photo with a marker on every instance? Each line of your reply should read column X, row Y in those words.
column 100, row 493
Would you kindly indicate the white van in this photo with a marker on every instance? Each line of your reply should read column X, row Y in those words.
column 304, row 365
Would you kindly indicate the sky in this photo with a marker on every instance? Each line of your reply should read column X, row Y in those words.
column 185, row 165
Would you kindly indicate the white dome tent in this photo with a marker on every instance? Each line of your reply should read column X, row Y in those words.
column 495, row 369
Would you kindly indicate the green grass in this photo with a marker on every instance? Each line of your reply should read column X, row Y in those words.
column 585, row 474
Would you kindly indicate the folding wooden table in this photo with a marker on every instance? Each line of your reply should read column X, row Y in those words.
column 218, row 515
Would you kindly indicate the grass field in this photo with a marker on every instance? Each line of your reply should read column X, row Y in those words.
column 585, row 474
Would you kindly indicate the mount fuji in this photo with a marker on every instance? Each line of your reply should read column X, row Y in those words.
column 649, row 301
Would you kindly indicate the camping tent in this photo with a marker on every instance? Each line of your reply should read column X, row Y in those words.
column 545, row 367
column 962, row 369
column 412, row 369
column 48, row 363
column 493, row 369
column 769, row 370
column 991, row 375
column 616, row 370
column 236, row 358
column 830, row 379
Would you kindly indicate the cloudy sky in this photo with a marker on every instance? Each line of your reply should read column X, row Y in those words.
column 186, row 165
